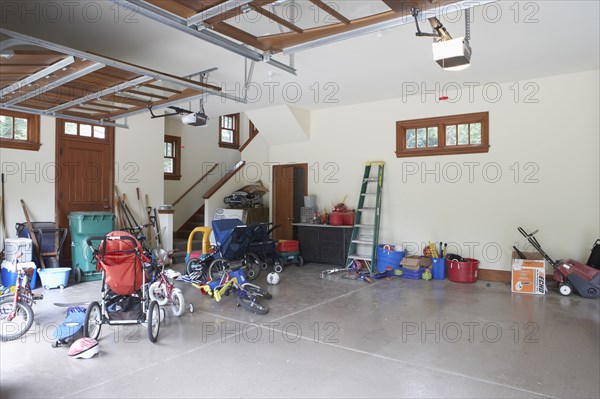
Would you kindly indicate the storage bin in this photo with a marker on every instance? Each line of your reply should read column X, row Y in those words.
column 9, row 275
column 288, row 246
column 388, row 256
column 310, row 201
column 413, row 274
column 12, row 246
column 83, row 225
column 462, row 272
column 438, row 266
column 57, row 277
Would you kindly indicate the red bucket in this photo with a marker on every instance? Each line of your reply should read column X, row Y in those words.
column 462, row 272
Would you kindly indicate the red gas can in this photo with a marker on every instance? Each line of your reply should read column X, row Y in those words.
column 336, row 218
column 348, row 218
column 462, row 272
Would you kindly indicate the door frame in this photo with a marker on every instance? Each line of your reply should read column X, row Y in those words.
column 59, row 138
column 303, row 166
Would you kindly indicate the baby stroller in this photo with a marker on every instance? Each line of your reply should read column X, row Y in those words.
column 233, row 238
column 265, row 247
column 121, row 259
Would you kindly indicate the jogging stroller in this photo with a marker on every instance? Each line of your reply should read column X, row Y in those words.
column 265, row 247
column 121, row 260
column 233, row 238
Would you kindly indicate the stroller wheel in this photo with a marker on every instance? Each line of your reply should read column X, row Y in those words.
column 153, row 320
column 217, row 268
column 191, row 308
column 264, row 265
column 278, row 268
column 93, row 321
column 253, row 265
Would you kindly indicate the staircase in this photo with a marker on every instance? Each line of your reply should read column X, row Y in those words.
column 180, row 237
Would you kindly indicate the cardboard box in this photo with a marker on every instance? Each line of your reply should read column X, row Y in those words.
column 415, row 262
column 528, row 275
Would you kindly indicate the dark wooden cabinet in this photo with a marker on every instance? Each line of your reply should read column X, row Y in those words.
column 323, row 243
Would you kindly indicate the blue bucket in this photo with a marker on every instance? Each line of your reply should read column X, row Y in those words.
column 387, row 256
column 439, row 268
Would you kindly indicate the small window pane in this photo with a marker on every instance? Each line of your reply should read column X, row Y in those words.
column 99, row 132
column 168, row 149
column 71, row 128
column 463, row 134
column 227, row 136
column 168, row 165
column 432, row 137
column 451, row 135
column 20, row 129
column 421, row 138
column 6, row 127
column 475, row 136
column 411, row 138
column 85, row 130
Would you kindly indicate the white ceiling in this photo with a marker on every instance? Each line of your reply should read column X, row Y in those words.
column 544, row 38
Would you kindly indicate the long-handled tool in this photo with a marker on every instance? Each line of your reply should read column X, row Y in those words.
column 32, row 234
column 3, row 215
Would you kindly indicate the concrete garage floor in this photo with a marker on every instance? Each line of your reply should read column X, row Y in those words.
column 330, row 337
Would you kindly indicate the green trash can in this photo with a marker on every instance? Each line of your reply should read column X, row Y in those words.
column 83, row 225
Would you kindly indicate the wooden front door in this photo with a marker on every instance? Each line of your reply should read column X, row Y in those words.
column 85, row 173
column 289, row 188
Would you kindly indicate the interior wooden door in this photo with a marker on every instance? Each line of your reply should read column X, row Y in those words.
column 289, row 184
column 85, row 173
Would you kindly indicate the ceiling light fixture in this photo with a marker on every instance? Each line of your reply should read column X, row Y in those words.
column 451, row 54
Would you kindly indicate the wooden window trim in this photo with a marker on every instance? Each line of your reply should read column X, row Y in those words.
column 236, row 132
column 33, row 132
column 176, row 141
column 441, row 122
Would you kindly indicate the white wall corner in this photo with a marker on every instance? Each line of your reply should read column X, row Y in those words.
column 282, row 124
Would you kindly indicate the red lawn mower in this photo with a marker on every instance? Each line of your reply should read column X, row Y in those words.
column 571, row 275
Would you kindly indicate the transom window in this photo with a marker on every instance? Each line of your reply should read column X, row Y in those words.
column 172, row 158
column 19, row 130
column 457, row 134
column 229, row 133
column 85, row 130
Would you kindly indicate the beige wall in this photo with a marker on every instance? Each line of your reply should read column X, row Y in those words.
column 542, row 170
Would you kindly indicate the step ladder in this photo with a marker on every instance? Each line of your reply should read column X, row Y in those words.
column 365, row 233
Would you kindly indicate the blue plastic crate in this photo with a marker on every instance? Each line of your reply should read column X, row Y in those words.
column 413, row 274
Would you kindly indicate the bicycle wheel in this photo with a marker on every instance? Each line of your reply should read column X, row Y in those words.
column 258, row 291
column 253, row 266
column 217, row 268
column 252, row 305
column 158, row 293
column 153, row 320
column 93, row 321
column 19, row 324
column 178, row 302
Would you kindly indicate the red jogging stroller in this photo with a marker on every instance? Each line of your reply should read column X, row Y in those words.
column 125, row 299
